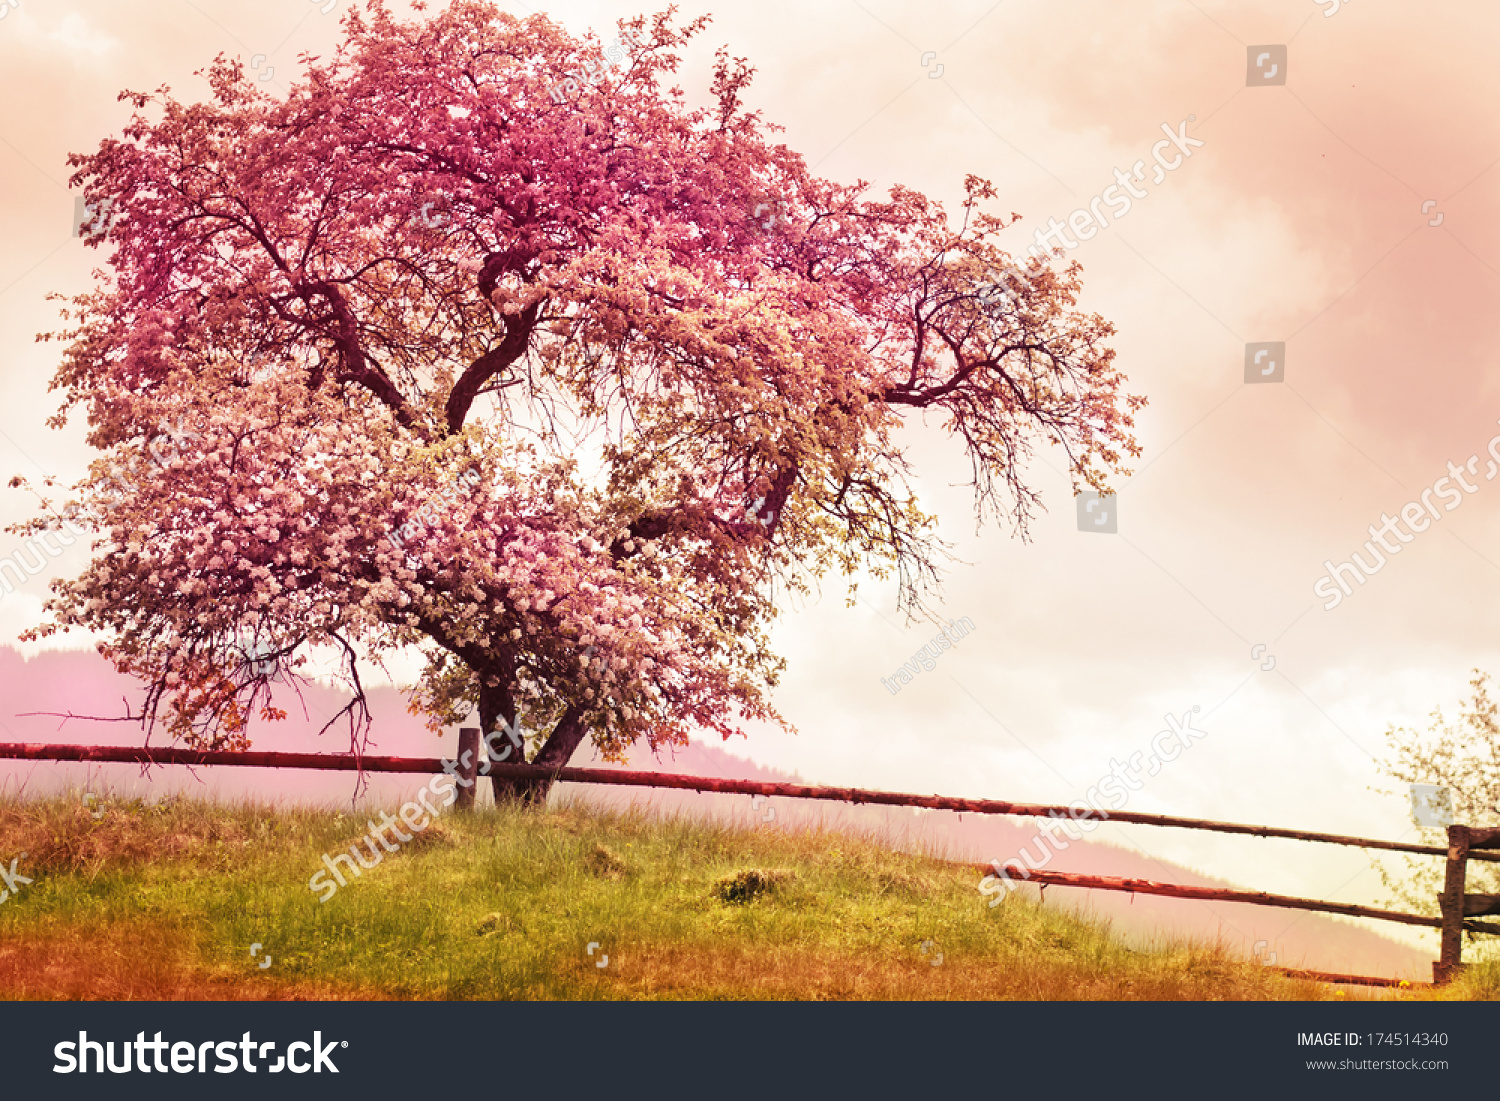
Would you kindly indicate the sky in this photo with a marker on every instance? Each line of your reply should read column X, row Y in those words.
column 1339, row 215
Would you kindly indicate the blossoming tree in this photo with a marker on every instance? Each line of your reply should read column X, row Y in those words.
column 481, row 342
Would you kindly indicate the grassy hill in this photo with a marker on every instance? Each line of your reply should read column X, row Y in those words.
column 165, row 901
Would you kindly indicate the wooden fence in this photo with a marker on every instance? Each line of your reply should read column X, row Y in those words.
column 1465, row 843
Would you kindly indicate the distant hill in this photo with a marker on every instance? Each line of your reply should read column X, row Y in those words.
column 82, row 683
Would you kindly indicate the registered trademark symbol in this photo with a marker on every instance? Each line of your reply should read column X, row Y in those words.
column 346, row 1043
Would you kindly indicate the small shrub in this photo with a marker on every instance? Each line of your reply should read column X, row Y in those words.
column 749, row 884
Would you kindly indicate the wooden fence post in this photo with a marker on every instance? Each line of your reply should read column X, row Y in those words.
column 1452, row 899
column 468, row 766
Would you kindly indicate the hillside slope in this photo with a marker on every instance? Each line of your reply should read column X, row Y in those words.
column 82, row 683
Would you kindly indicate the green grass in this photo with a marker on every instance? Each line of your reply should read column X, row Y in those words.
column 164, row 902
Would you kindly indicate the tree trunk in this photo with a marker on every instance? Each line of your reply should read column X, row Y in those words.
column 497, row 712
column 555, row 753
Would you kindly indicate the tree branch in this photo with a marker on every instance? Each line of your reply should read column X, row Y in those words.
column 478, row 374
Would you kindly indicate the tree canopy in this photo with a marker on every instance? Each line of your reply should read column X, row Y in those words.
column 1460, row 760
column 485, row 343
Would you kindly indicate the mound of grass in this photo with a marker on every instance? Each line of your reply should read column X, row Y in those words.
column 601, row 862
column 165, row 901
column 493, row 923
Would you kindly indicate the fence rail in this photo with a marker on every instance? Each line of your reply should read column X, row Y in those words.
column 1464, row 843
column 629, row 778
column 1220, row 894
